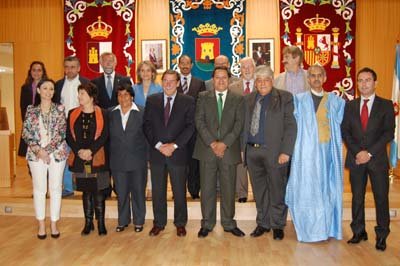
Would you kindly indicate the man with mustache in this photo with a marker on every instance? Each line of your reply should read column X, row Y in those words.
column 294, row 79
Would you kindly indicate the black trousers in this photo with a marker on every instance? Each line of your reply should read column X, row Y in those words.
column 380, row 188
column 159, row 178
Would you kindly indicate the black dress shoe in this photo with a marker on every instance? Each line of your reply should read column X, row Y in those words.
column 278, row 234
column 236, row 232
column 358, row 237
column 41, row 237
column 242, row 200
column 138, row 228
column 203, row 232
column 259, row 231
column 155, row 230
column 120, row 228
column 57, row 235
column 380, row 244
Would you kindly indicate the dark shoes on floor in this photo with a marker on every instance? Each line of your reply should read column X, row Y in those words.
column 138, row 228
column 242, row 200
column 236, row 232
column 155, row 230
column 358, row 237
column 259, row 231
column 380, row 243
column 203, row 232
column 120, row 228
column 278, row 234
column 180, row 231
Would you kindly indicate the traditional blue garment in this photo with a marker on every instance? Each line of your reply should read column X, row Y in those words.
column 315, row 187
column 140, row 98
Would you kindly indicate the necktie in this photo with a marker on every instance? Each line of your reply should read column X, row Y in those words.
column 167, row 110
column 364, row 115
column 255, row 119
column 185, row 87
column 219, row 105
column 247, row 90
column 109, row 86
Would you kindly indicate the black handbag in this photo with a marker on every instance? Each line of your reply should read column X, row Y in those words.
column 86, row 181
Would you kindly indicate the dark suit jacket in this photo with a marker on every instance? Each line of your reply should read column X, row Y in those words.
column 102, row 97
column 280, row 124
column 127, row 147
column 208, row 126
column 179, row 130
column 196, row 86
column 59, row 86
column 380, row 131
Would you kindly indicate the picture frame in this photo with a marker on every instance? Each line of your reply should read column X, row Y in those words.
column 262, row 51
column 156, row 52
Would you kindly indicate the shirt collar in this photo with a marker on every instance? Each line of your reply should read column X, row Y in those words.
column 72, row 80
column 319, row 94
column 223, row 92
column 133, row 107
column 370, row 98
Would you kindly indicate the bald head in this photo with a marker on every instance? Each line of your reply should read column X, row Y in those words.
column 221, row 61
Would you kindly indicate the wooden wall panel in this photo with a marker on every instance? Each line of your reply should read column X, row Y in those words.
column 36, row 29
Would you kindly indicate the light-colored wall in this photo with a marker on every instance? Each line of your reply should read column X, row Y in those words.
column 36, row 29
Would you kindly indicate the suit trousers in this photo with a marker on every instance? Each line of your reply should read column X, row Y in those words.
column 193, row 177
column 269, row 184
column 242, row 181
column 130, row 187
column 40, row 171
column 209, row 171
column 380, row 189
column 159, row 178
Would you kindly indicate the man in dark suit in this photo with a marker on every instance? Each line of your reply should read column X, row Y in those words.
column 367, row 127
column 219, row 123
column 66, row 93
column 169, row 126
column 269, row 136
column 127, row 153
column 192, row 86
column 107, row 82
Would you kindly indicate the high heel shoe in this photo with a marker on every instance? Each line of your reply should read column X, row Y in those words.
column 41, row 237
column 57, row 235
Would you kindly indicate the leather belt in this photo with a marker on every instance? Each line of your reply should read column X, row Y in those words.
column 255, row 145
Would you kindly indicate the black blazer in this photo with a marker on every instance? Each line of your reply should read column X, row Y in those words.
column 179, row 130
column 380, row 131
column 102, row 98
column 127, row 147
column 59, row 86
column 196, row 86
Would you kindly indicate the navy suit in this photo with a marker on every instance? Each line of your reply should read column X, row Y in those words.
column 179, row 130
column 103, row 99
column 379, row 132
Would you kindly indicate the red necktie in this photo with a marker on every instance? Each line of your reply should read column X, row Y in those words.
column 167, row 110
column 364, row 115
column 247, row 90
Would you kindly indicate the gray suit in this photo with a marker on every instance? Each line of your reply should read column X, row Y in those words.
column 128, row 165
column 268, row 177
column 228, row 132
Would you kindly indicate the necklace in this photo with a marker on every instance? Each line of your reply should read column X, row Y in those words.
column 86, row 121
column 46, row 120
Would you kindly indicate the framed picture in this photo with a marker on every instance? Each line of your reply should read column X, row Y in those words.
column 156, row 52
column 262, row 51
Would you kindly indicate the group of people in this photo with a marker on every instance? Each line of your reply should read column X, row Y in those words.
column 285, row 133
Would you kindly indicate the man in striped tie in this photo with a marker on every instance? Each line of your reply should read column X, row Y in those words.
column 191, row 86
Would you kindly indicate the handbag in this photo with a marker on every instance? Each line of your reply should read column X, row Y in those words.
column 86, row 181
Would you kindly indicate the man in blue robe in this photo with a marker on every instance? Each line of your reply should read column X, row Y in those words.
column 315, row 187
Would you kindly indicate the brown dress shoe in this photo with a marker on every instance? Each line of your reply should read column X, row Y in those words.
column 180, row 231
column 155, row 230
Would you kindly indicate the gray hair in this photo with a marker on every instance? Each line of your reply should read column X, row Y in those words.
column 264, row 71
column 316, row 67
column 247, row 58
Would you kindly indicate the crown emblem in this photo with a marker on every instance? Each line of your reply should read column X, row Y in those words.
column 317, row 24
column 207, row 29
column 99, row 30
